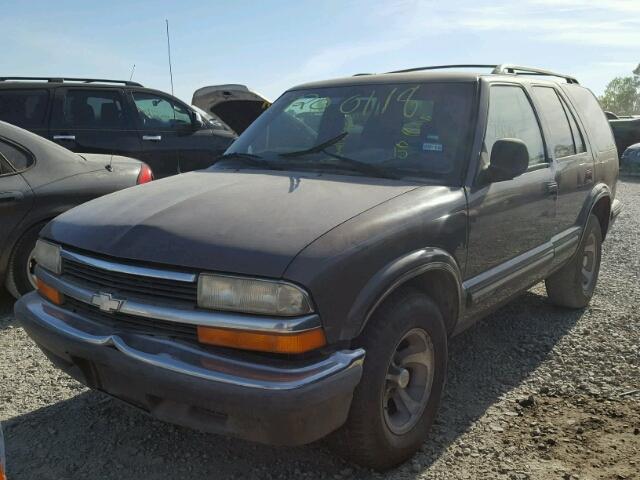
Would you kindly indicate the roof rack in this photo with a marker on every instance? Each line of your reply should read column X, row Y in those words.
column 503, row 69
column 507, row 68
column 67, row 79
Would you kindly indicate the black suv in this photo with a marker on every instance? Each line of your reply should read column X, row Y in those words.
column 309, row 281
column 115, row 117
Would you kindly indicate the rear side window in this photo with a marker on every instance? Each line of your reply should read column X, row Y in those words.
column 578, row 138
column 24, row 108
column 511, row 116
column 14, row 156
column 561, row 138
column 593, row 117
column 91, row 109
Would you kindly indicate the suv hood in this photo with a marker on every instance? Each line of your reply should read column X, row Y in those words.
column 248, row 223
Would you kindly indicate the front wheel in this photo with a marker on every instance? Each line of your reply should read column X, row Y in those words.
column 403, row 379
column 573, row 285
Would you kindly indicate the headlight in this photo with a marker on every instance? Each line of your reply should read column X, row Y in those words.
column 248, row 295
column 47, row 255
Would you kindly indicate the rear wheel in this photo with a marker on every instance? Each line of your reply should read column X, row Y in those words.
column 20, row 275
column 403, row 379
column 573, row 285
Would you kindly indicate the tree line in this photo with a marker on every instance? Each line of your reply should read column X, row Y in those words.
column 622, row 95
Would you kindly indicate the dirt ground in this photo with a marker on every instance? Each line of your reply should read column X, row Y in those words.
column 534, row 392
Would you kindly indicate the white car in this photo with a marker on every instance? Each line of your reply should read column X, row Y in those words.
column 234, row 103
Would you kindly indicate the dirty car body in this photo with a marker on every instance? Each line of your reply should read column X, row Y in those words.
column 343, row 193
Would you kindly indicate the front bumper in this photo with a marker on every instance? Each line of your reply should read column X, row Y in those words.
column 279, row 402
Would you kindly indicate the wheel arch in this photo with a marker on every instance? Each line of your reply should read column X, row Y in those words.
column 431, row 270
column 12, row 242
column 599, row 204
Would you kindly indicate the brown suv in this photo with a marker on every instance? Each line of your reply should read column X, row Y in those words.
column 309, row 282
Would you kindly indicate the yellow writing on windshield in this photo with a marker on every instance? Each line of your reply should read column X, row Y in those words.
column 370, row 103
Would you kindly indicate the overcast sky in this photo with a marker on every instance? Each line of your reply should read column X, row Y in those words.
column 271, row 45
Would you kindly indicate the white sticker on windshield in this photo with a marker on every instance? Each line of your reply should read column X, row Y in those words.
column 432, row 147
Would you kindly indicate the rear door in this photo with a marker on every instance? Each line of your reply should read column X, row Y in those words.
column 566, row 144
column 26, row 108
column 16, row 196
column 93, row 121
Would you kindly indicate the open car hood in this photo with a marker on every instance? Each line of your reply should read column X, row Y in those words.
column 235, row 105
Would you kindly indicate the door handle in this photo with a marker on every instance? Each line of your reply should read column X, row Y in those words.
column 551, row 188
column 64, row 137
column 10, row 197
column 152, row 138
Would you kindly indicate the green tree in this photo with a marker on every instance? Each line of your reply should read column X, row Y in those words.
column 622, row 95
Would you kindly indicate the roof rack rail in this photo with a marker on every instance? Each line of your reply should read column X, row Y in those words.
column 503, row 69
column 442, row 67
column 507, row 68
column 69, row 79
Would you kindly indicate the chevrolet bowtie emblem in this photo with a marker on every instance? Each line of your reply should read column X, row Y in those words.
column 106, row 303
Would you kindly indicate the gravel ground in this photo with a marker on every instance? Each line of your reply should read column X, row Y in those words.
column 533, row 392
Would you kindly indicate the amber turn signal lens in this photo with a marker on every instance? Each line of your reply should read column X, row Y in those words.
column 2, row 475
column 49, row 292
column 297, row 342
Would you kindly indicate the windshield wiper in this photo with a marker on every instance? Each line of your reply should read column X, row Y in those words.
column 356, row 165
column 364, row 167
column 248, row 159
column 317, row 149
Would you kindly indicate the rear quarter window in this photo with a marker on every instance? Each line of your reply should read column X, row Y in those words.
column 18, row 158
column 24, row 107
column 594, row 118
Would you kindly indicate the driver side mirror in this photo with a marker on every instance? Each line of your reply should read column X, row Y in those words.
column 509, row 159
column 197, row 122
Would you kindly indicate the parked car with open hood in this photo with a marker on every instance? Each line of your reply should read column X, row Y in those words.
column 115, row 117
column 309, row 281
column 236, row 104
column 38, row 181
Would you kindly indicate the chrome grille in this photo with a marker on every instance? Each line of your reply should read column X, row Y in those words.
column 128, row 284
column 130, row 323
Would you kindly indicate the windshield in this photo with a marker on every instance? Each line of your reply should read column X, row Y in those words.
column 411, row 131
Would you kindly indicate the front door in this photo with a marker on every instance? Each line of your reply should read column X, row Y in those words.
column 161, row 124
column 93, row 121
column 510, row 222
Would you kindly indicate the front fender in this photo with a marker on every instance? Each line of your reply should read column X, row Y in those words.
column 396, row 274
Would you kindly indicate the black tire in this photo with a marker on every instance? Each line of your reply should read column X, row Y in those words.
column 17, row 282
column 567, row 287
column 366, row 437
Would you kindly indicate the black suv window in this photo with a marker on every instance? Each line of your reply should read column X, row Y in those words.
column 511, row 116
column 25, row 108
column 156, row 112
column 592, row 115
column 92, row 109
column 561, row 138
column 17, row 158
